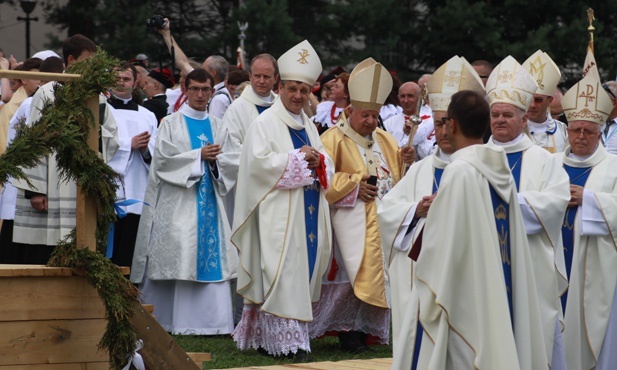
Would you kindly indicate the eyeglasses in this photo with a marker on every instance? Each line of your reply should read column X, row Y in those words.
column 195, row 89
column 585, row 132
column 608, row 90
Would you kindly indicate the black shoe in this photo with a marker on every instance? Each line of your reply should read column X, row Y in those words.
column 301, row 357
column 262, row 351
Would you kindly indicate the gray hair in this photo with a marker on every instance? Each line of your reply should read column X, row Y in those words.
column 219, row 64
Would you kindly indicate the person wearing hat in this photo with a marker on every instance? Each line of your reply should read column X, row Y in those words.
column 543, row 192
column 403, row 210
column 475, row 283
column 143, row 58
column 281, row 219
column 545, row 131
column 155, row 84
column 137, row 135
column 590, row 231
column 368, row 162
column 183, row 259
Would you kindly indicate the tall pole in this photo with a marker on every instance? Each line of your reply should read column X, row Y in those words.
column 27, row 6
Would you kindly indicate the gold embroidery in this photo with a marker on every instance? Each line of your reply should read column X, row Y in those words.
column 303, row 56
column 311, row 209
column 504, row 77
column 537, row 69
column 500, row 212
column 452, row 78
column 583, row 113
column 588, row 95
column 503, row 245
column 312, row 237
column 514, row 96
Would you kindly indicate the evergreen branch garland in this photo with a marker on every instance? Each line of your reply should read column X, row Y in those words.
column 62, row 129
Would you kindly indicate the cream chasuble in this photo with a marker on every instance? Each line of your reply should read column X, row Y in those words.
column 243, row 111
column 544, row 188
column 358, row 227
column 269, row 223
column 460, row 279
column 594, row 269
column 396, row 207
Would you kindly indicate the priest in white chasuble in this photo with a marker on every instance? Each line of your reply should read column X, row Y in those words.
column 590, row 231
column 543, row 194
column 368, row 162
column 282, row 221
column 403, row 210
column 255, row 99
column 474, row 279
column 544, row 130
column 183, row 258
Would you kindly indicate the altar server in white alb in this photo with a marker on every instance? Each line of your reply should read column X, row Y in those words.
column 590, row 231
column 476, row 288
column 136, row 135
column 183, row 258
column 282, row 220
column 402, row 212
column 545, row 131
column 543, row 193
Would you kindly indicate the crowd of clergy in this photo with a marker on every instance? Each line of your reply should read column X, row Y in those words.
column 470, row 217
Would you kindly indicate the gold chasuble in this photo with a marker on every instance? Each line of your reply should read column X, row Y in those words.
column 366, row 273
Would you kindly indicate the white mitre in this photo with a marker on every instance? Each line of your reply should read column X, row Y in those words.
column 510, row 83
column 587, row 101
column 546, row 73
column 453, row 76
column 300, row 63
column 369, row 85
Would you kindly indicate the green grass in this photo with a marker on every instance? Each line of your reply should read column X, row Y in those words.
column 226, row 355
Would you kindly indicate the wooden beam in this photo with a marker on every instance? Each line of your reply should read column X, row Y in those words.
column 160, row 351
column 85, row 228
column 51, row 342
column 43, row 76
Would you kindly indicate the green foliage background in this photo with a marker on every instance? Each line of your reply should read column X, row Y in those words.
column 411, row 37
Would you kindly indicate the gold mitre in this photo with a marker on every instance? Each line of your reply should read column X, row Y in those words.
column 587, row 101
column 453, row 76
column 546, row 73
column 369, row 85
column 300, row 63
column 510, row 83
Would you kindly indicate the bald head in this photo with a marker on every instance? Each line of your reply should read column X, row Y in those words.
column 555, row 106
column 408, row 95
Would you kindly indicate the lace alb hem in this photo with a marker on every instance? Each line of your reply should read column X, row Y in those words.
column 339, row 309
column 278, row 336
column 349, row 200
column 297, row 173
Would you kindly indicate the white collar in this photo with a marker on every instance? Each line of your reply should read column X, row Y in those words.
column 579, row 158
column 515, row 141
column 192, row 113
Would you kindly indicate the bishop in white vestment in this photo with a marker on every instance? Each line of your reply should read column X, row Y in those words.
column 590, row 231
